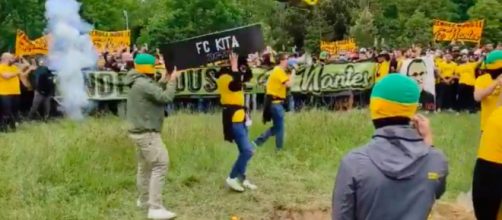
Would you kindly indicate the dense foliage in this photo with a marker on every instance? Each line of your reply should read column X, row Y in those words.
column 387, row 23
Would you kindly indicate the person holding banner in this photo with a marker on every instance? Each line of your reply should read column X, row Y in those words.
column 231, row 88
column 489, row 85
column 145, row 114
column 276, row 91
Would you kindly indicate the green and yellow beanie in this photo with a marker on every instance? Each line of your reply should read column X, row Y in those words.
column 493, row 60
column 144, row 63
column 396, row 95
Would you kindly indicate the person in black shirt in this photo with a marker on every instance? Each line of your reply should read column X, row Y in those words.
column 44, row 91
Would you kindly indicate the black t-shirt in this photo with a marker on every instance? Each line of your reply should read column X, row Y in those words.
column 45, row 81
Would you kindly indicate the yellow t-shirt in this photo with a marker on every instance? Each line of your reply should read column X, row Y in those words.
column 438, row 61
column 490, row 148
column 399, row 64
column 382, row 71
column 275, row 83
column 447, row 70
column 489, row 103
column 467, row 73
column 9, row 86
column 229, row 97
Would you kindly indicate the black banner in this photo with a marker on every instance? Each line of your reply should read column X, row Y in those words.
column 198, row 51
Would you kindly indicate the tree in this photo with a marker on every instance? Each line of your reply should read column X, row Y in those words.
column 338, row 14
column 191, row 18
column 318, row 29
column 491, row 12
column 462, row 8
column 364, row 30
column 417, row 29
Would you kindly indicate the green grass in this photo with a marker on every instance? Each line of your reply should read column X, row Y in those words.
column 86, row 170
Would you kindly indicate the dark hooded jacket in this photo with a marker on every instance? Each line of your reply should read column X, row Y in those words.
column 395, row 177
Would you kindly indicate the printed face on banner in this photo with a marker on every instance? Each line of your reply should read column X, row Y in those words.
column 422, row 70
column 418, row 71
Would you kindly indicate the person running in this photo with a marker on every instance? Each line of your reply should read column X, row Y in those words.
column 276, row 91
column 399, row 174
column 145, row 114
column 231, row 88
column 488, row 86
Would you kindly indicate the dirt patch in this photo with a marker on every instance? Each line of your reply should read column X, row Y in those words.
column 441, row 211
column 448, row 211
column 292, row 214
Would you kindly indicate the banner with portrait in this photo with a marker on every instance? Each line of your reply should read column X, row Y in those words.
column 422, row 70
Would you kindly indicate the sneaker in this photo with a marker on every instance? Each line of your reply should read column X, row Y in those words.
column 249, row 185
column 234, row 184
column 160, row 214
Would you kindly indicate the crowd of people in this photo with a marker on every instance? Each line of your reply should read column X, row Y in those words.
column 25, row 87
column 400, row 161
column 399, row 174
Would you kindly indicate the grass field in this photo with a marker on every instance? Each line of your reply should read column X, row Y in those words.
column 86, row 170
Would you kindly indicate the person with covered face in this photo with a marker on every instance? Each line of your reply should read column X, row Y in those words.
column 488, row 86
column 146, row 100
column 487, row 180
column 399, row 174
column 230, row 84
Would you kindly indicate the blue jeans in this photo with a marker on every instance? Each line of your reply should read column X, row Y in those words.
column 277, row 130
column 240, row 133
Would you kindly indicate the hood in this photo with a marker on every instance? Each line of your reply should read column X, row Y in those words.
column 132, row 76
column 398, row 151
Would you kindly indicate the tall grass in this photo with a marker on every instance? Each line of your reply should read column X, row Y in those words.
column 86, row 170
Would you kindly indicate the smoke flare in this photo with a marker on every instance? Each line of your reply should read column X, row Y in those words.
column 70, row 51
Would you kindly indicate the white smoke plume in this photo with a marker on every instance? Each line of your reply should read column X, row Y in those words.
column 70, row 51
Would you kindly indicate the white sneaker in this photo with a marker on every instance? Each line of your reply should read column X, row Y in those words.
column 249, row 185
column 234, row 184
column 160, row 214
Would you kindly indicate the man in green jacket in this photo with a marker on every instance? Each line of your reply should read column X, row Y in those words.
column 146, row 100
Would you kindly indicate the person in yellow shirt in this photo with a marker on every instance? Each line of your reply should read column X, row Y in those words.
column 276, row 88
column 10, row 90
column 446, row 93
column 487, row 180
column 467, row 78
column 488, row 85
column 383, row 66
column 230, row 84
